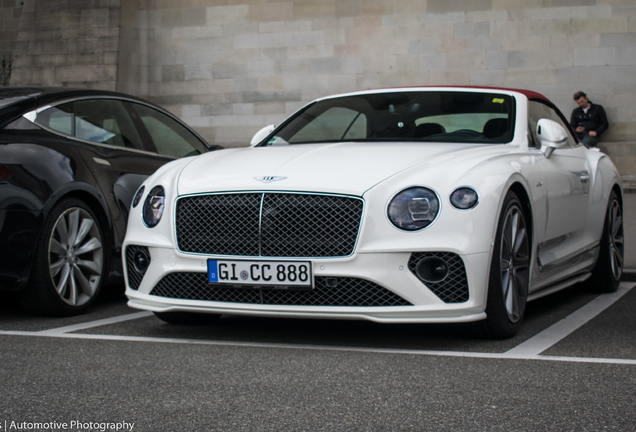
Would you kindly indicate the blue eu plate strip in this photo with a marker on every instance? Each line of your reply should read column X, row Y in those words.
column 213, row 272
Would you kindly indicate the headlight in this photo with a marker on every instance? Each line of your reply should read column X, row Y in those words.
column 153, row 206
column 138, row 196
column 464, row 198
column 413, row 209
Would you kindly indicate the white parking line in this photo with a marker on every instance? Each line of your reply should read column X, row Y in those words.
column 503, row 356
column 528, row 350
column 97, row 323
column 553, row 334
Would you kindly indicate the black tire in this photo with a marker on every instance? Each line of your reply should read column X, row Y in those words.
column 607, row 272
column 70, row 263
column 187, row 318
column 509, row 273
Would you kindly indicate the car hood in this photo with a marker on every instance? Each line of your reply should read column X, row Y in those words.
column 344, row 168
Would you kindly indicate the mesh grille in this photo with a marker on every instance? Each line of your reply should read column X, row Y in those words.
column 135, row 277
column 327, row 292
column 219, row 224
column 454, row 288
column 292, row 225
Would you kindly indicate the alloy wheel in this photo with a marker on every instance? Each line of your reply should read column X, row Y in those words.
column 76, row 256
column 515, row 261
column 616, row 240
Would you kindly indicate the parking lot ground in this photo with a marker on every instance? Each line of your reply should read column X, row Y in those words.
column 610, row 334
column 572, row 367
column 566, row 324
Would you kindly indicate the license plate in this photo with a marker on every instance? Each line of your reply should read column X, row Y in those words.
column 261, row 274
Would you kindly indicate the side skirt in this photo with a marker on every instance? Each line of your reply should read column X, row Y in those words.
column 558, row 286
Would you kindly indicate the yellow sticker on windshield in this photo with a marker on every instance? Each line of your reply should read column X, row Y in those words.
column 497, row 100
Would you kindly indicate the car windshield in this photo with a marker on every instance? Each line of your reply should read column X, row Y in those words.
column 428, row 116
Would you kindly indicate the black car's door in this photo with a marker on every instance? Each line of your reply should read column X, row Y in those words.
column 122, row 142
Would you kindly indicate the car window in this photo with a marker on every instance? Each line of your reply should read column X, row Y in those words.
column 334, row 124
column 106, row 121
column 537, row 111
column 453, row 123
column 58, row 118
column 456, row 117
column 169, row 136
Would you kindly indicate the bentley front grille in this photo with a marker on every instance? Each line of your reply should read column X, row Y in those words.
column 269, row 224
column 328, row 291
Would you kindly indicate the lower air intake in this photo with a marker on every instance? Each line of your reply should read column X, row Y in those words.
column 328, row 291
column 454, row 287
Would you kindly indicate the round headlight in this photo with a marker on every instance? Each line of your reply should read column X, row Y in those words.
column 464, row 198
column 153, row 206
column 413, row 209
column 138, row 196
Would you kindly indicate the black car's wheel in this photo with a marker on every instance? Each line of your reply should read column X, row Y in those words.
column 69, row 264
column 607, row 272
column 187, row 318
column 509, row 272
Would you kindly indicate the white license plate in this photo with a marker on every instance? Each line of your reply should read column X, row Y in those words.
column 266, row 274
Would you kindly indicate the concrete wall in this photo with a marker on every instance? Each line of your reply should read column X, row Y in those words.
column 230, row 67
column 68, row 43
column 10, row 15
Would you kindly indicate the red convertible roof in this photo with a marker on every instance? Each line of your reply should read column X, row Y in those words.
column 527, row 93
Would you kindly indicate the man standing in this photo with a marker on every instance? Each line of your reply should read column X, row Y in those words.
column 588, row 120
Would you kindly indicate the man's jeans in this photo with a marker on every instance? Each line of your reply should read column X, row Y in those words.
column 587, row 140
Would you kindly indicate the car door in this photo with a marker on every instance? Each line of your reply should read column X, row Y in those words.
column 567, row 182
column 111, row 146
column 123, row 142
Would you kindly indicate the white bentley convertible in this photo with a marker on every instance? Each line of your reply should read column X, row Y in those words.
column 410, row 205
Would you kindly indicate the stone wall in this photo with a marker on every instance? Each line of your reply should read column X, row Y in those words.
column 71, row 43
column 10, row 16
column 230, row 67
column 133, row 65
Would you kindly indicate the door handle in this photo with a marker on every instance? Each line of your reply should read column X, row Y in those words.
column 101, row 161
column 584, row 176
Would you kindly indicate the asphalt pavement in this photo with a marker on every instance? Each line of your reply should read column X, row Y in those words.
column 572, row 367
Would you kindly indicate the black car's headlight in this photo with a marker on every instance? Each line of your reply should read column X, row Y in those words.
column 153, row 206
column 464, row 198
column 413, row 208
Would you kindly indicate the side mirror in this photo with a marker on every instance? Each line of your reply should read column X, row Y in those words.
column 551, row 135
column 261, row 134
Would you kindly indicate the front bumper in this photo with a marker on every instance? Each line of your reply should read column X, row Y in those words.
column 388, row 270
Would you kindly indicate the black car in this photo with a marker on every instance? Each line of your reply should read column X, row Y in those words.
column 71, row 161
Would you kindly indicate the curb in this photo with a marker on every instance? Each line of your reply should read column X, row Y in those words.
column 629, row 275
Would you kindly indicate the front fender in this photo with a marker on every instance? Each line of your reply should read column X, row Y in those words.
column 459, row 231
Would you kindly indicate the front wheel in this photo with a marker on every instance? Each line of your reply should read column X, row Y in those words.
column 69, row 262
column 509, row 272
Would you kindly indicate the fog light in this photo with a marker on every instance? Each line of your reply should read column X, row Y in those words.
column 432, row 270
column 141, row 261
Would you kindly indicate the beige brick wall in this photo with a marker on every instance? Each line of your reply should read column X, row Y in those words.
column 230, row 67
column 10, row 17
column 71, row 43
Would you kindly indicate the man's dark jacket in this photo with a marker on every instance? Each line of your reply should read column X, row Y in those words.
column 595, row 119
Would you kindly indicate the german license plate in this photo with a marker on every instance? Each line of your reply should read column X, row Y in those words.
column 261, row 274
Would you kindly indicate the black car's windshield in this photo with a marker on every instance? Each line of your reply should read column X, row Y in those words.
column 439, row 116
